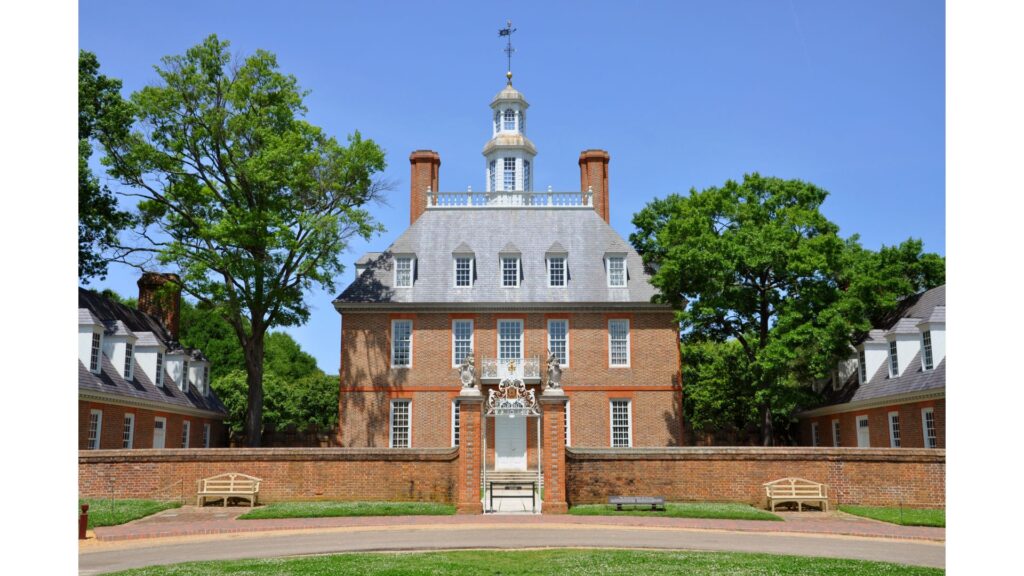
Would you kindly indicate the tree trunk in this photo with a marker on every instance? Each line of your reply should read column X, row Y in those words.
column 767, row 433
column 254, row 378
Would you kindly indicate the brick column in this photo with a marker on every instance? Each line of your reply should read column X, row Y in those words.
column 594, row 176
column 553, row 459
column 425, row 165
column 470, row 455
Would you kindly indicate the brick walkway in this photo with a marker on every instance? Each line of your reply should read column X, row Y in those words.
column 192, row 521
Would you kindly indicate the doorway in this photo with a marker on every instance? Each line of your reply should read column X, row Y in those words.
column 159, row 431
column 509, row 443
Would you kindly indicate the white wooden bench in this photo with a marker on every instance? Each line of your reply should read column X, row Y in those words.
column 231, row 485
column 796, row 490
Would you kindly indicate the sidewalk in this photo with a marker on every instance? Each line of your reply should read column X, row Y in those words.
column 192, row 521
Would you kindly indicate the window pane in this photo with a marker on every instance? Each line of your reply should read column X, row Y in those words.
column 401, row 343
column 128, row 350
column 95, row 420
column 509, row 272
column 894, row 430
column 617, row 271
column 510, row 119
column 620, row 423
column 894, row 364
column 618, row 336
column 206, row 435
column 462, row 335
column 814, row 434
column 928, row 361
column 558, row 331
column 863, row 367
column 94, row 358
column 930, row 436
column 556, row 271
column 403, row 272
column 510, row 174
column 463, row 271
column 400, row 424
column 159, row 369
column 455, row 423
column 835, row 433
column 129, row 431
column 510, row 334
column 185, row 428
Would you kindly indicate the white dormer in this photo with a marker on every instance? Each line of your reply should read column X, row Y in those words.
column 177, row 365
column 199, row 375
column 615, row 269
column 149, row 357
column 405, row 270
column 933, row 338
column 871, row 354
column 119, row 346
column 557, row 263
column 904, row 343
column 90, row 341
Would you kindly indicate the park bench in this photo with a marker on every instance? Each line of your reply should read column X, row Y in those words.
column 653, row 501
column 796, row 490
column 231, row 485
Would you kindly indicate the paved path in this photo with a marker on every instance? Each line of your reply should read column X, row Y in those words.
column 190, row 534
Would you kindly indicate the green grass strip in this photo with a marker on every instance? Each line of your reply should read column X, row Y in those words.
column 333, row 509
column 114, row 512
column 720, row 510
column 902, row 516
column 563, row 562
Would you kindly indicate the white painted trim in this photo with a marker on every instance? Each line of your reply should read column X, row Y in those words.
column 836, row 433
column 566, row 320
column 456, row 362
column 629, row 343
column 455, row 269
column 96, row 347
column 629, row 421
column 94, row 443
column 565, row 270
column 412, row 270
column 163, row 438
column 868, row 434
column 131, row 431
column 501, row 270
column 394, row 340
column 391, row 421
column 892, row 429
column 186, row 433
column 924, row 427
column 608, row 270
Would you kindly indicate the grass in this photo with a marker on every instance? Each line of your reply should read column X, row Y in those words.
column 904, row 516
column 114, row 512
column 722, row 510
column 332, row 509
column 565, row 562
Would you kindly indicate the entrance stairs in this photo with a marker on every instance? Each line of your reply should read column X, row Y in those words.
column 512, row 476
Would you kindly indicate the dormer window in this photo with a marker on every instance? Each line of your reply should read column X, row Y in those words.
column 556, row 271
column 184, row 376
column 94, row 355
column 403, row 271
column 863, row 365
column 894, row 363
column 206, row 381
column 159, row 381
column 510, row 120
column 616, row 271
column 926, row 346
column 463, row 271
column 510, row 271
column 128, row 351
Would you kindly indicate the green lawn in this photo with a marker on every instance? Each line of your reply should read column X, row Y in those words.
column 114, row 512
column 535, row 562
column 329, row 509
column 724, row 510
column 904, row 516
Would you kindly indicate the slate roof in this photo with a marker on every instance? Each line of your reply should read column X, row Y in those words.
column 582, row 234
column 913, row 379
column 120, row 319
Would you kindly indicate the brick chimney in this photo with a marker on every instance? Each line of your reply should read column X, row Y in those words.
column 165, row 305
column 425, row 166
column 594, row 175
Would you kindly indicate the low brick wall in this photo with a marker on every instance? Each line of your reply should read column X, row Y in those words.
column 872, row 477
column 287, row 473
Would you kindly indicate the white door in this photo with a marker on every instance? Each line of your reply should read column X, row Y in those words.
column 509, row 443
column 159, row 431
column 863, row 437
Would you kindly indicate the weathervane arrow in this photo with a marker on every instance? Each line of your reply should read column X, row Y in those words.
column 507, row 31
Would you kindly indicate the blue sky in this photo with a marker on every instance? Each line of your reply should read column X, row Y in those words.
column 847, row 95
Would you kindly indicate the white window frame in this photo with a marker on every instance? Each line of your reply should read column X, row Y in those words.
column 394, row 341
column 862, row 365
column 455, row 271
column 628, row 343
column 629, row 421
column 519, row 272
column 894, row 359
column 456, row 423
column 391, row 422
column 608, row 271
column 568, row 423
column 206, row 380
column 894, row 429
column 164, row 428
column 186, row 432
column 128, row 434
column 927, row 353
column 456, row 361
column 924, row 428
column 507, row 124
column 565, row 271
column 493, row 176
column 522, row 337
column 129, row 361
column 505, row 171
column 183, row 381
column 97, row 435
column 815, row 436
column 206, row 434
column 566, row 322
column 836, row 434
column 96, row 353
column 412, row 271
column 159, row 378
column 859, row 420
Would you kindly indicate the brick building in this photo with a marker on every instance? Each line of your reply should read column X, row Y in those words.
column 893, row 392
column 517, row 280
column 137, row 387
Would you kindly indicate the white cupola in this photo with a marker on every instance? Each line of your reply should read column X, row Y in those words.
column 509, row 152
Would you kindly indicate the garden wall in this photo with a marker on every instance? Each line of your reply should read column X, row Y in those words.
column 874, row 477
column 287, row 473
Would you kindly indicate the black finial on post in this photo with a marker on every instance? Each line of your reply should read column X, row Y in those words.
column 507, row 31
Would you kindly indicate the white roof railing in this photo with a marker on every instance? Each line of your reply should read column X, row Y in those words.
column 509, row 199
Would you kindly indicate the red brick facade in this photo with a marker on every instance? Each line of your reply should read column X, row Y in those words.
column 368, row 383
column 911, row 425
column 112, row 427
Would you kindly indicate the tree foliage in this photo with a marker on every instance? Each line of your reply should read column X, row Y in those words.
column 100, row 110
column 754, row 268
column 249, row 203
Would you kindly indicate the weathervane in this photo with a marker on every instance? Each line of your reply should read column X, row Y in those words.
column 507, row 31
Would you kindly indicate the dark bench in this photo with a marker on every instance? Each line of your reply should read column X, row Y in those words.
column 655, row 502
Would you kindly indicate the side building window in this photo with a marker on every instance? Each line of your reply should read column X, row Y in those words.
column 815, row 438
column 94, row 355
column 863, row 365
column 95, row 428
column 928, row 423
column 206, row 435
column 401, row 343
column 159, row 381
column 894, row 429
column 400, row 424
column 186, row 429
column 128, row 435
column 836, row 440
column 128, row 351
column 622, row 424
column 894, row 363
column 926, row 346
column 618, row 343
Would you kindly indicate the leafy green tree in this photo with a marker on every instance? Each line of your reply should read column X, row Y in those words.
column 248, row 202
column 311, row 400
column 100, row 110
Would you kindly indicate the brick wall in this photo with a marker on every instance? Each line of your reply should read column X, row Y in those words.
column 879, row 477
column 911, row 426
column 112, row 427
column 287, row 473
column 368, row 383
